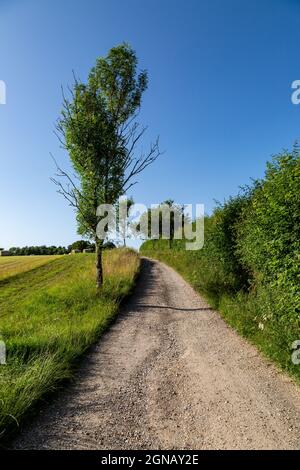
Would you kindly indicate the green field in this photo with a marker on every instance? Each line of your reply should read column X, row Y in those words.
column 12, row 265
column 50, row 313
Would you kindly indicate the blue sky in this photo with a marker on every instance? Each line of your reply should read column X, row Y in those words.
column 219, row 97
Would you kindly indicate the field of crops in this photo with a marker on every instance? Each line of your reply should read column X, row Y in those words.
column 50, row 313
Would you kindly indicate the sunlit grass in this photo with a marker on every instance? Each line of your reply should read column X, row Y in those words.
column 13, row 265
column 48, row 317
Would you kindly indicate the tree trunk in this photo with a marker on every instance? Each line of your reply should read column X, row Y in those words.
column 99, row 267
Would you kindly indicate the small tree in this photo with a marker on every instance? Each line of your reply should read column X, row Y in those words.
column 98, row 129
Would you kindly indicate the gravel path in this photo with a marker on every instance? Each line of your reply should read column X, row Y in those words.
column 169, row 374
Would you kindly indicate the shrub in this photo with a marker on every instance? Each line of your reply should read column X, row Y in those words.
column 269, row 238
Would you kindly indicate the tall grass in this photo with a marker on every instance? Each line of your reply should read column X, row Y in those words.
column 48, row 317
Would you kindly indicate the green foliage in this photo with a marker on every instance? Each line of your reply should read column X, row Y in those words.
column 269, row 238
column 109, row 245
column 249, row 267
column 50, row 250
column 222, row 239
column 38, row 250
column 81, row 245
column 120, row 87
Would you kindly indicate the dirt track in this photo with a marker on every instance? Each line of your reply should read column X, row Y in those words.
column 170, row 374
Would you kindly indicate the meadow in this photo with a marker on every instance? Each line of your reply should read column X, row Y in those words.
column 50, row 313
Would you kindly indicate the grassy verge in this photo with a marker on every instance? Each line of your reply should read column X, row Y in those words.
column 49, row 316
column 250, row 313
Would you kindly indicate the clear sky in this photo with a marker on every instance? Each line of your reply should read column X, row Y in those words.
column 219, row 97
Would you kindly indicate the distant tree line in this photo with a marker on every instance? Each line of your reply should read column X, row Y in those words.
column 37, row 250
column 53, row 250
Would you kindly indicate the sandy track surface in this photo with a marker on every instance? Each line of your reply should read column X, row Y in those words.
column 169, row 374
